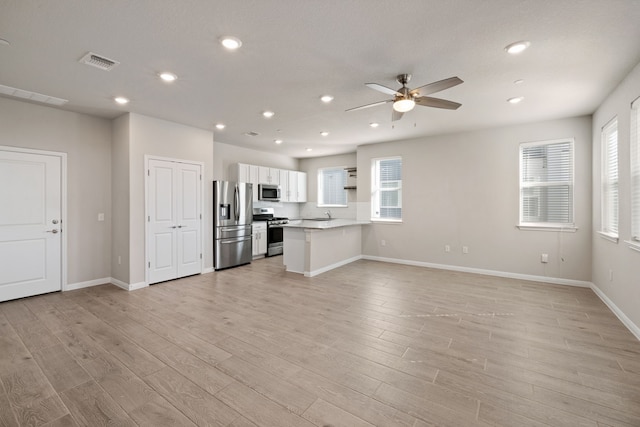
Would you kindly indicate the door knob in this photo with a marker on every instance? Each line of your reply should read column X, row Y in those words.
column 54, row 231
column 55, row 221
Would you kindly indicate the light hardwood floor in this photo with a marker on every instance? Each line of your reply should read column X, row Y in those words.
column 366, row 344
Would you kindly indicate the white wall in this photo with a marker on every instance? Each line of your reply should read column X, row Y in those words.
column 624, row 289
column 151, row 136
column 87, row 142
column 120, row 199
column 462, row 190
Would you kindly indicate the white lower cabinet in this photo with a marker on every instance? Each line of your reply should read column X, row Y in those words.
column 259, row 238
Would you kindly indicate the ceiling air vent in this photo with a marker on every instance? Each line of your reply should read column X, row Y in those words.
column 98, row 61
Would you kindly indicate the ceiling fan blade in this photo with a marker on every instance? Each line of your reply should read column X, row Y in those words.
column 369, row 105
column 383, row 89
column 427, row 101
column 396, row 115
column 436, row 86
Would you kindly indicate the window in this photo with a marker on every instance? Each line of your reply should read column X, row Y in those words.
column 609, row 181
column 331, row 182
column 386, row 189
column 546, row 184
column 635, row 171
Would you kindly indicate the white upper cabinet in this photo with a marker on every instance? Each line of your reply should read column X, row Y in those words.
column 293, row 184
column 268, row 175
column 302, row 186
column 285, row 193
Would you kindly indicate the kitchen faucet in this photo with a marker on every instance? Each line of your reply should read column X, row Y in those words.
column 328, row 213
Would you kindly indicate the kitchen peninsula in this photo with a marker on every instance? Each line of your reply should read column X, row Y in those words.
column 312, row 247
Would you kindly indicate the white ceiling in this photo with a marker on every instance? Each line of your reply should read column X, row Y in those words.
column 294, row 51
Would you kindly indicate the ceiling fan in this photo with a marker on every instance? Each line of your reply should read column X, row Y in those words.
column 404, row 99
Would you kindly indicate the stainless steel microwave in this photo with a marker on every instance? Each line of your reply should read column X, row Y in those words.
column 269, row 192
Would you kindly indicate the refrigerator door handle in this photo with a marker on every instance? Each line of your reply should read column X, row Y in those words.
column 236, row 203
column 238, row 240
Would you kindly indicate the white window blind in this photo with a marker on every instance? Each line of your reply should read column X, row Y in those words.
column 609, row 195
column 331, row 182
column 546, row 184
column 386, row 189
column 635, row 170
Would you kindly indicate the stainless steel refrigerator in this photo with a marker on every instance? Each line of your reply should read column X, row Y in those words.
column 232, row 217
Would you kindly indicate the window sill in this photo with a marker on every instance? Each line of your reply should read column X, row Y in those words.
column 633, row 245
column 562, row 228
column 386, row 221
column 608, row 236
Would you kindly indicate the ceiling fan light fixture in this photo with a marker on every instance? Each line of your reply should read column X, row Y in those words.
column 404, row 105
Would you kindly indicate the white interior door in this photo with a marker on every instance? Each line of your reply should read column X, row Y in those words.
column 30, row 224
column 189, row 233
column 174, row 209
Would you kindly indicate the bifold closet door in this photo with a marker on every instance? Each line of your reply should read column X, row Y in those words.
column 174, row 215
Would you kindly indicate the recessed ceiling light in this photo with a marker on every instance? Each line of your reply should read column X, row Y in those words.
column 517, row 47
column 268, row 114
column 4, row 42
column 121, row 100
column 326, row 98
column 309, row 149
column 324, row 133
column 374, row 125
column 231, row 43
column 277, row 141
column 220, row 126
column 516, row 100
column 518, row 82
column 168, row 77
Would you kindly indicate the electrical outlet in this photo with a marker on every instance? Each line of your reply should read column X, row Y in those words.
column 383, row 242
column 465, row 249
column 544, row 258
column 447, row 248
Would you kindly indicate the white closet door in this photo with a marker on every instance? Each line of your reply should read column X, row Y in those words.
column 30, row 224
column 189, row 233
column 174, row 233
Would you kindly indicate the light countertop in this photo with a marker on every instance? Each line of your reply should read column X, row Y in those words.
column 325, row 224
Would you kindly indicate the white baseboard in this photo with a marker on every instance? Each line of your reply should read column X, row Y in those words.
column 332, row 266
column 127, row 286
column 544, row 279
column 208, row 270
column 635, row 330
column 87, row 284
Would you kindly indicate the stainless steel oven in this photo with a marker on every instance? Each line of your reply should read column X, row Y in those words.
column 275, row 231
